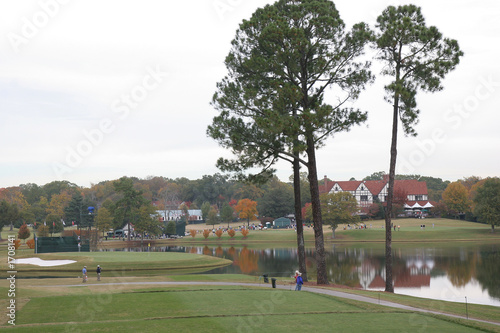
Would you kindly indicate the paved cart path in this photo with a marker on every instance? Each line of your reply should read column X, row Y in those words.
column 290, row 287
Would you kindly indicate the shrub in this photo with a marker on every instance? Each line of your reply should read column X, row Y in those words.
column 193, row 233
column 43, row 231
column 231, row 233
column 23, row 232
column 17, row 243
column 206, row 233
column 31, row 243
column 245, row 232
column 218, row 233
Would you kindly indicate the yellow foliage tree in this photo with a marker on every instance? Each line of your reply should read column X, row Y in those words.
column 456, row 198
column 247, row 209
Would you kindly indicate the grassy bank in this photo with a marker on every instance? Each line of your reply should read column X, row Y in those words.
column 126, row 308
column 436, row 230
column 117, row 263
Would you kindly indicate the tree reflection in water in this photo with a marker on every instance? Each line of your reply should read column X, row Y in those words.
column 414, row 268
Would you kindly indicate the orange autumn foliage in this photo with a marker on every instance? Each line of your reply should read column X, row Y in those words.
column 245, row 232
column 206, row 233
column 193, row 233
column 31, row 243
column 231, row 233
column 218, row 233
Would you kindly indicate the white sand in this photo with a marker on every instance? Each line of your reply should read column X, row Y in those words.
column 41, row 262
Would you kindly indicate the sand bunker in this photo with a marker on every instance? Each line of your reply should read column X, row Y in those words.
column 41, row 262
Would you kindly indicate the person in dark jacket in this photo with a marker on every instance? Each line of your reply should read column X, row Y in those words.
column 98, row 273
column 300, row 282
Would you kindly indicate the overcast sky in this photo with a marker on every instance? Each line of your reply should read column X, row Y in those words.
column 95, row 90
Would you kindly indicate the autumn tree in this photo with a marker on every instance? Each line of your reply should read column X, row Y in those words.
column 23, row 232
column 58, row 204
column 416, row 57
column 456, row 199
column 487, row 202
column 247, row 209
column 339, row 208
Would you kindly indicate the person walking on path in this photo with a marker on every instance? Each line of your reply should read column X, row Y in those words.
column 84, row 274
column 300, row 282
column 98, row 273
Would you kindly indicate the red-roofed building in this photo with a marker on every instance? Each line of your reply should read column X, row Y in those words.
column 369, row 191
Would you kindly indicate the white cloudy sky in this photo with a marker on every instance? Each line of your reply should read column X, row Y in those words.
column 67, row 67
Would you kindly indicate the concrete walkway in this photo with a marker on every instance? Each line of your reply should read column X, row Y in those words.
column 291, row 287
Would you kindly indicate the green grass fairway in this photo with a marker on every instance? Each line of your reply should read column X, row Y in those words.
column 222, row 309
column 117, row 263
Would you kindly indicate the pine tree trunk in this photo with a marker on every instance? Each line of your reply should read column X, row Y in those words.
column 298, row 219
column 389, row 286
column 322, row 277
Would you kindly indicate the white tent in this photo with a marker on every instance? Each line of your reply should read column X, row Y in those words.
column 428, row 205
column 416, row 206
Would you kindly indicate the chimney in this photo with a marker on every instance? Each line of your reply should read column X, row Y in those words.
column 386, row 178
column 326, row 184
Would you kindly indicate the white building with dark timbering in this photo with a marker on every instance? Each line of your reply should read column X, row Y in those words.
column 367, row 192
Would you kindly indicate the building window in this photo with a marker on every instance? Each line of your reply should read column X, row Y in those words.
column 385, row 198
column 364, row 198
column 419, row 198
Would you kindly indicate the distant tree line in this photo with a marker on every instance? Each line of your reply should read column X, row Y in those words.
column 59, row 201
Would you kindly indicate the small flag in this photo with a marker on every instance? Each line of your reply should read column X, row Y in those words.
column 54, row 224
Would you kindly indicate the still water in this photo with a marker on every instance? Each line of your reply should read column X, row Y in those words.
column 459, row 273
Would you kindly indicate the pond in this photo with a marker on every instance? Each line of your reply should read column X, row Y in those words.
column 459, row 273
